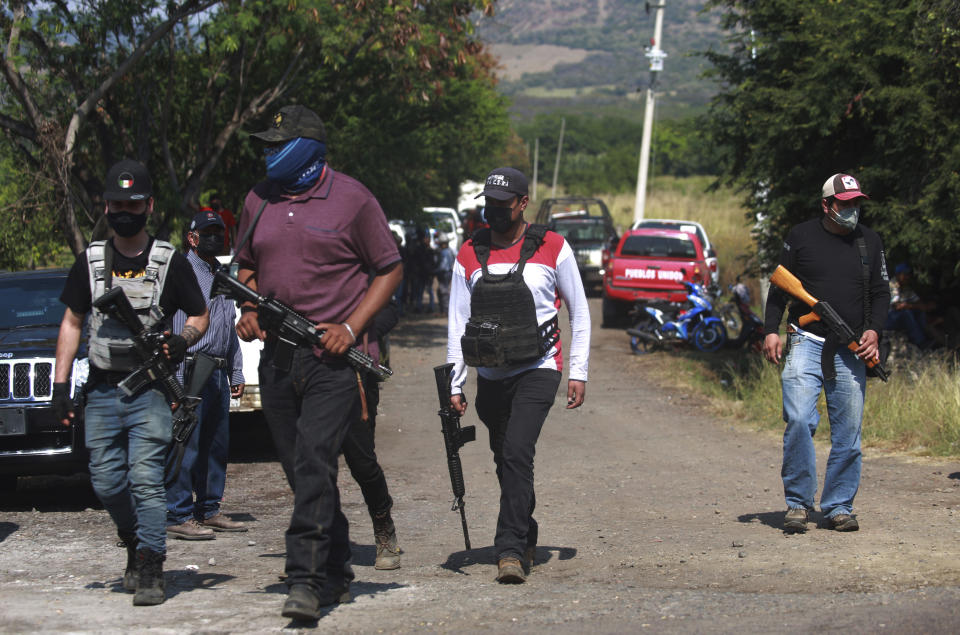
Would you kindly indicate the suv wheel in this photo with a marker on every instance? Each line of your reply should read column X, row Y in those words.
column 8, row 483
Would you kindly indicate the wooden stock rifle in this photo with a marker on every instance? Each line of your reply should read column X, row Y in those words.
column 821, row 310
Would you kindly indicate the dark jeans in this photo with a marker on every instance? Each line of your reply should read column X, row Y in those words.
column 204, row 468
column 358, row 451
column 913, row 323
column 308, row 411
column 514, row 409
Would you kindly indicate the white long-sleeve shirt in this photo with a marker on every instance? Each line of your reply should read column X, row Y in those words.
column 552, row 276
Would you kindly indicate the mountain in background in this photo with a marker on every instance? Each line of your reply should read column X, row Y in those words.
column 588, row 55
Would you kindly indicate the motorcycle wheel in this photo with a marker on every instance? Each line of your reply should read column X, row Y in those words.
column 731, row 318
column 641, row 345
column 709, row 337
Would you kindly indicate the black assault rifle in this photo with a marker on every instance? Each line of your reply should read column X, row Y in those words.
column 821, row 310
column 155, row 367
column 454, row 438
column 290, row 328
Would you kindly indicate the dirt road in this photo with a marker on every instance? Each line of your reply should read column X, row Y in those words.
column 654, row 515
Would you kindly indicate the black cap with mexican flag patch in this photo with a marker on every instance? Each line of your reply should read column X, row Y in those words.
column 843, row 187
column 128, row 180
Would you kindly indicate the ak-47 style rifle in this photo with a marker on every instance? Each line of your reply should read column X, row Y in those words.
column 155, row 367
column 290, row 328
column 821, row 310
column 454, row 438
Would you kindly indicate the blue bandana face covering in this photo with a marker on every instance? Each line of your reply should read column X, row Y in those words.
column 297, row 164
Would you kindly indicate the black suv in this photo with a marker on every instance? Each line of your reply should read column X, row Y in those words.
column 32, row 441
column 587, row 225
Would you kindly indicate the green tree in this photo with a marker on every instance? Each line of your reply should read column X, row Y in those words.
column 405, row 86
column 868, row 87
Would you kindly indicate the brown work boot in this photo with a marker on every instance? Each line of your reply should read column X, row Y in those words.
column 219, row 522
column 190, row 530
column 844, row 522
column 510, row 571
column 795, row 520
column 385, row 536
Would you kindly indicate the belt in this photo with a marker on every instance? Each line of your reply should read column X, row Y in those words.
column 109, row 377
column 219, row 362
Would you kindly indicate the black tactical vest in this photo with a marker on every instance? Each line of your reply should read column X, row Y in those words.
column 502, row 329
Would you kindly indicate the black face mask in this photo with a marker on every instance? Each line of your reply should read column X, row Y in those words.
column 126, row 224
column 499, row 218
column 210, row 244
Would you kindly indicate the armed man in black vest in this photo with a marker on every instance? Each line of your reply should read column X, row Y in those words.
column 127, row 435
column 508, row 283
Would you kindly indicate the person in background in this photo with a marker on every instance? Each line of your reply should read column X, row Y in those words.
column 215, row 204
column 423, row 264
column 193, row 499
column 444, row 273
column 359, row 448
column 908, row 312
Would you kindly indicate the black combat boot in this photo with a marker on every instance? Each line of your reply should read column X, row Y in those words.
column 385, row 536
column 150, row 584
column 129, row 540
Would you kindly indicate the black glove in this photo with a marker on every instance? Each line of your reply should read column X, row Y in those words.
column 62, row 403
column 177, row 348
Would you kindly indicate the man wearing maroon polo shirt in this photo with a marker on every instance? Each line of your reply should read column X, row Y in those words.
column 317, row 235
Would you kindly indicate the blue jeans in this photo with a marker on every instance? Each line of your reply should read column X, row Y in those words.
column 127, row 438
column 802, row 381
column 204, row 468
column 913, row 323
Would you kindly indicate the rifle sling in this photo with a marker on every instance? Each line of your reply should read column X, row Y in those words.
column 249, row 232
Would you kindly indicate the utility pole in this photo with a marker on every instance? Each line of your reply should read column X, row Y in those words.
column 556, row 165
column 536, row 162
column 656, row 55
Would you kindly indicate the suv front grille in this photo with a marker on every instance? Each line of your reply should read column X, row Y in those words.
column 26, row 380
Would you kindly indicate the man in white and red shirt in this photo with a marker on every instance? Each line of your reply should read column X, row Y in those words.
column 513, row 400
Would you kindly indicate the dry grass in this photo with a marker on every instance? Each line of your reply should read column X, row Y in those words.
column 917, row 411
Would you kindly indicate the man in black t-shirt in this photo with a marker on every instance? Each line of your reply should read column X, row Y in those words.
column 127, row 435
column 841, row 262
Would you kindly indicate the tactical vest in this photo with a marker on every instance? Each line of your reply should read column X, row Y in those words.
column 503, row 329
column 110, row 342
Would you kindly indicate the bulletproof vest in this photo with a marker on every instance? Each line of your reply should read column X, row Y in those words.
column 502, row 329
column 110, row 342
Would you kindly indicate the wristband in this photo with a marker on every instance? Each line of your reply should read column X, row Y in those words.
column 350, row 330
column 247, row 309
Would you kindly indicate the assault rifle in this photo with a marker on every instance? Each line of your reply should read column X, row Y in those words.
column 454, row 438
column 155, row 367
column 822, row 310
column 290, row 328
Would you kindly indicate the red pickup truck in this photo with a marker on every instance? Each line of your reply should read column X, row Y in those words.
column 650, row 264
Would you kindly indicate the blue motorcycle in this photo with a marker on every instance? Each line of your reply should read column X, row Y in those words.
column 658, row 325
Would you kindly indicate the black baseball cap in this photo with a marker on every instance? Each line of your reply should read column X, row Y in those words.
column 128, row 180
column 502, row 184
column 206, row 219
column 291, row 122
